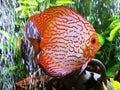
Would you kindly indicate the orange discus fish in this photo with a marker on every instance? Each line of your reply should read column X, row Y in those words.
column 67, row 40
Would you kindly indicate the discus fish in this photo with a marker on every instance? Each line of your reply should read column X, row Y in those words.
column 66, row 41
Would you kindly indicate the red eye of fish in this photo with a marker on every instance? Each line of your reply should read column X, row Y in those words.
column 93, row 40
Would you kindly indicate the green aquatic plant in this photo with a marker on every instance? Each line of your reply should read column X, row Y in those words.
column 29, row 7
column 105, row 88
column 117, row 55
column 14, row 46
column 113, row 33
column 101, row 39
column 114, row 27
column 60, row 2
column 112, row 70
column 115, row 84
column 108, row 45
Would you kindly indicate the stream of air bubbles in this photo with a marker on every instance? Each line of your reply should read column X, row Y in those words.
column 7, row 18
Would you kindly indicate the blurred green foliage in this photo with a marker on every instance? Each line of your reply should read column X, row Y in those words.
column 112, row 70
column 110, row 34
column 101, row 39
column 113, row 28
column 18, row 69
column 115, row 84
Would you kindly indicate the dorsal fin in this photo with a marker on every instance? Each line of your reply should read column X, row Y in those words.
column 36, row 45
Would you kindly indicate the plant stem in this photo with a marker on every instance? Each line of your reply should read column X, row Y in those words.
column 108, row 57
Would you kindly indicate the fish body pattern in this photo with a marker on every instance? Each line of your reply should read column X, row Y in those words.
column 67, row 40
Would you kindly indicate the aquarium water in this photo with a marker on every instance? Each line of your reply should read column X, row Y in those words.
column 9, row 45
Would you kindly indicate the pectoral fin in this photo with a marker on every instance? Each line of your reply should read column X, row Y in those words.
column 36, row 45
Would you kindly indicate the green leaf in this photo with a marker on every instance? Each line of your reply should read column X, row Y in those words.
column 24, row 8
column 101, row 39
column 105, row 88
column 117, row 55
column 11, row 68
column 112, row 70
column 29, row 2
column 62, row 2
column 114, row 23
column 99, row 52
column 113, row 33
column 40, row 1
column 115, row 84
column 114, row 17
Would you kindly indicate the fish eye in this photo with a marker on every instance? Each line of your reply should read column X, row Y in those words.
column 93, row 40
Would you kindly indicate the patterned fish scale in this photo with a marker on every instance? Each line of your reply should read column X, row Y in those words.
column 68, row 41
